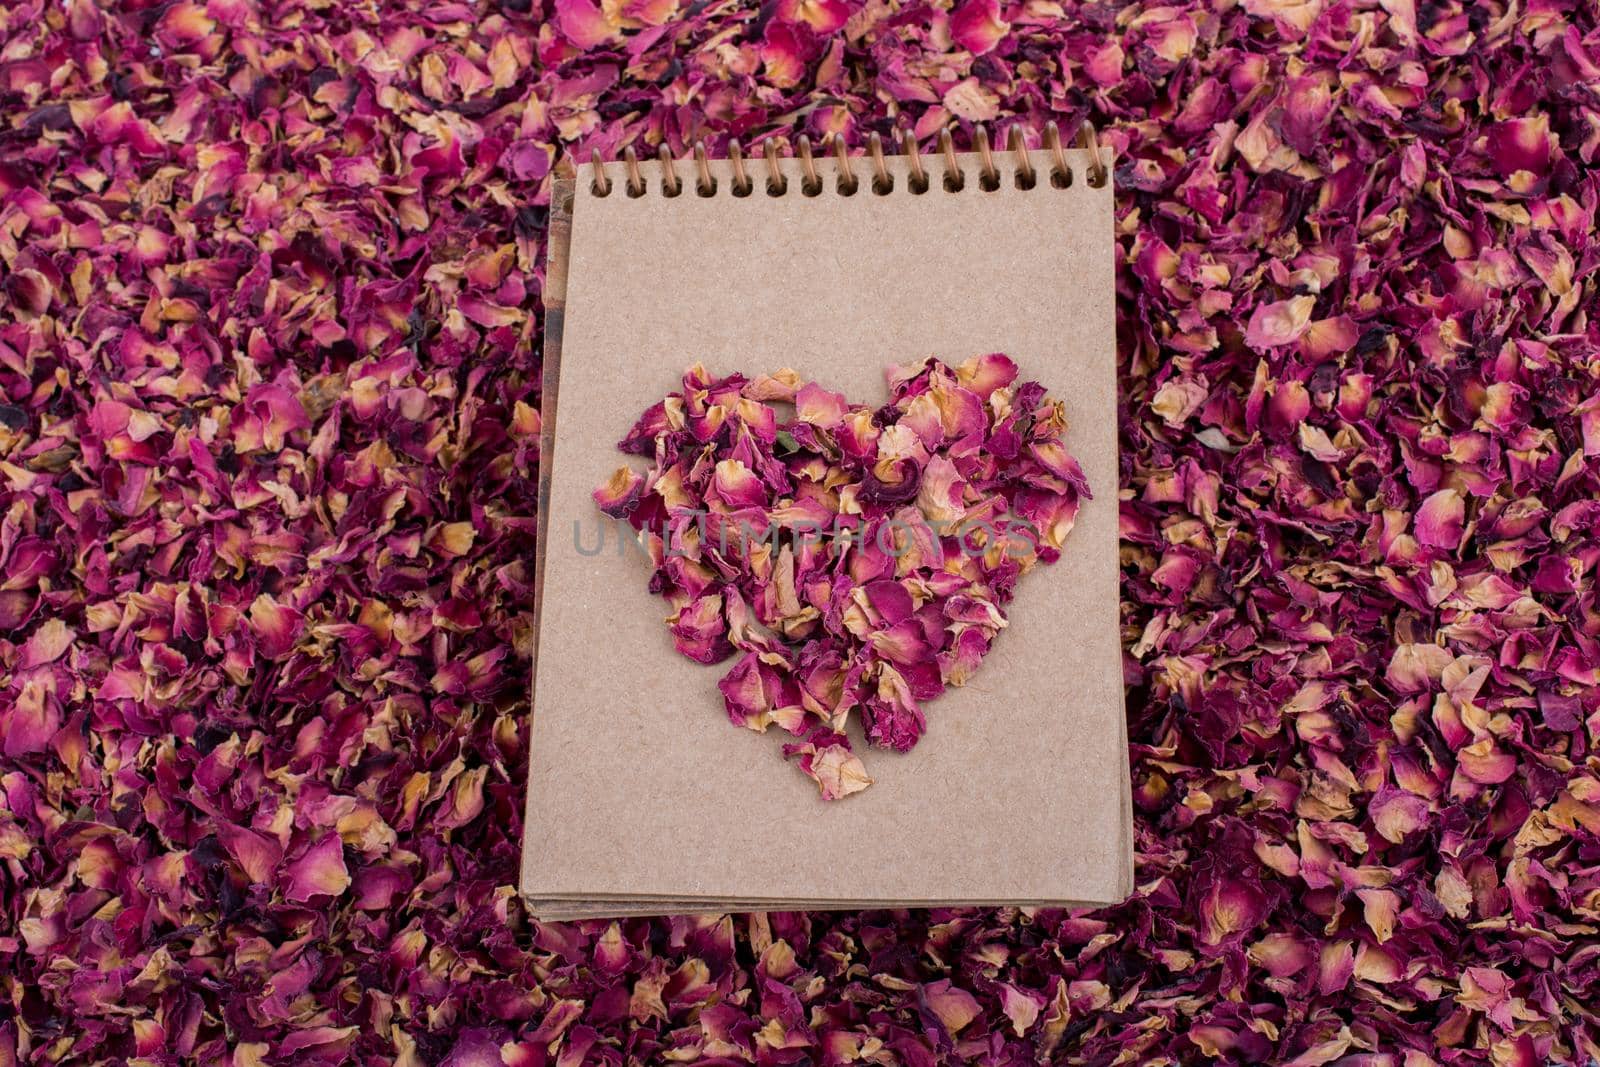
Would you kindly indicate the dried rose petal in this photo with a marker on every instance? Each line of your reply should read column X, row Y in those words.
column 976, row 26
column 319, row 872
column 620, row 494
column 825, row 757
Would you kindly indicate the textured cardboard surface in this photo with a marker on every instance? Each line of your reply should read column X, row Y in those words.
column 641, row 794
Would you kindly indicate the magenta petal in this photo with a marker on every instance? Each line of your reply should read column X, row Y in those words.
column 620, row 494
column 277, row 626
column 984, row 374
column 826, row 759
column 818, row 406
column 976, row 26
column 257, row 856
column 30, row 722
column 319, row 872
column 889, row 601
column 1440, row 519
column 1279, row 323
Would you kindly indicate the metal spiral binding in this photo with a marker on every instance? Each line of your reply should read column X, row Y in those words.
column 847, row 183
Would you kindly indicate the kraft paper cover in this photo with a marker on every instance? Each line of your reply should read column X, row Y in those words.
column 642, row 796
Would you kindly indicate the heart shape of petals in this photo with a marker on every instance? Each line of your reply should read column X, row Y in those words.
column 847, row 558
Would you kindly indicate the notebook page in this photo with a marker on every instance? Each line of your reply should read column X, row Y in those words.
column 639, row 787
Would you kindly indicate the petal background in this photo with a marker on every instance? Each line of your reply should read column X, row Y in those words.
column 270, row 281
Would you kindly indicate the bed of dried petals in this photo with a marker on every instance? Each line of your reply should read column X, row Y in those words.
column 269, row 346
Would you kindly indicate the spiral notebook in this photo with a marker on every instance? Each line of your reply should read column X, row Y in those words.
column 642, row 798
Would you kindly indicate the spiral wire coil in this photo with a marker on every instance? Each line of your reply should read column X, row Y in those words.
column 847, row 181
